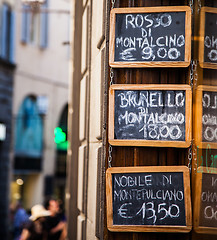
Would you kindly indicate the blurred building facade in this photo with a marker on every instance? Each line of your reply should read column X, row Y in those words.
column 88, row 118
column 40, row 101
column 7, row 69
column 85, row 188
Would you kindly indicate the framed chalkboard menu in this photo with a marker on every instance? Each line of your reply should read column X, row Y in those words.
column 205, row 202
column 205, row 131
column 150, row 37
column 208, row 38
column 148, row 199
column 150, row 115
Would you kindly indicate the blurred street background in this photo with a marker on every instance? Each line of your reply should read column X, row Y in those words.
column 34, row 81
column 57, row 121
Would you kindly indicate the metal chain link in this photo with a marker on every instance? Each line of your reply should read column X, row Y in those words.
column 199, row 6
column 194, row 153
column 113, row 3
column 111, row 76
column 110, row 156
column 110, row 147
column 190, row 156
column 191, row 4
column 193, row 73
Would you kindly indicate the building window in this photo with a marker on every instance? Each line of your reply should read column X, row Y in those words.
column 35, row 26
column 7, row 33
column 28, row 130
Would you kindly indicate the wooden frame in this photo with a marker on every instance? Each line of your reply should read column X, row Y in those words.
column 141, row 142
column 198, row 117
column 203, row 12
column 149, row 228
column 135, row 64
column 197, row 201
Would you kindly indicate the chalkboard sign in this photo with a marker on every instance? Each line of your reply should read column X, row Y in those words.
column 150, row 37
column 205, row 213
column 148, row 199
column 206, row 116
column 150, row 115
column 208, row 38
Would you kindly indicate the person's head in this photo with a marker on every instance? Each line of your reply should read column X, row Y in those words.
column 18, row 205
column 53, row 207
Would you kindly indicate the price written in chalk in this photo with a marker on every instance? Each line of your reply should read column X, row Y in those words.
column 150, row 115
column 209, row 117
column 148, row 37
column 148, row 198
column 210, row 38
column 208, row 208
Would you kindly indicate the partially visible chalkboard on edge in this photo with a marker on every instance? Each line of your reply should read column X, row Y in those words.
column 205, row 219
column 208, row 38
column 150, row 37
column 206, row 120
column 148, row 199
column 150, row 115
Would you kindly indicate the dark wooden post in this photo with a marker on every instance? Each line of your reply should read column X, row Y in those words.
column 129, row 156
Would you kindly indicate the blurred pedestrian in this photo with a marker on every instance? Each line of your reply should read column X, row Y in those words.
column 56, row 222
column 36, row 229
column 20, row 218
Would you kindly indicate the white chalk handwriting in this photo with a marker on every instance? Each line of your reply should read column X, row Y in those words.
column 144, row 37
column 154, row 114
column 210, row 43
column 209, row 117
column 150, row 210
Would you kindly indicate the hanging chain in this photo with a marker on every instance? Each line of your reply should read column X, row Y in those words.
column 199, row 5
column 110, row 147
column 113, row 3
column 194, row 154
column 111, row 76
column 191, row 4
column 190, row 156
column 193, row 74
column 110, row 156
